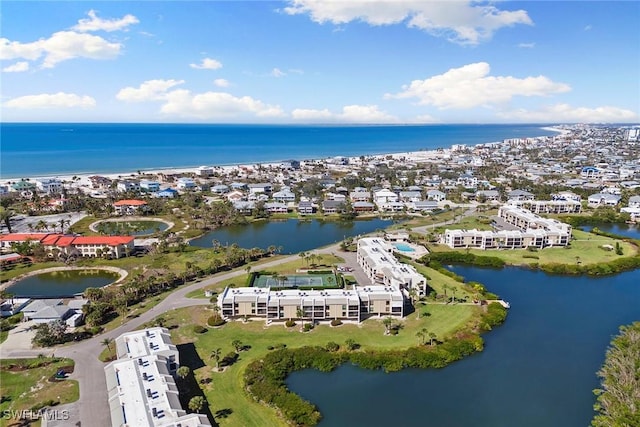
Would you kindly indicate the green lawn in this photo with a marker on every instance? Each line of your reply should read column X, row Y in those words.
column 585, row 248
column 25, row 388
column 226, row 389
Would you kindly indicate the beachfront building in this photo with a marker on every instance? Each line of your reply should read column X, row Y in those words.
column 129, row 207
column 375, row 256
column 49, row 185
column 141, row 384
column 128, row 186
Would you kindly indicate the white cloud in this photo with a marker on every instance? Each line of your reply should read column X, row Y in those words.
column 151, row 90
column 54, row 100
column 527, row 45
column 93, row 23
column 349, row 114
column 566, row 113
column 221, row 82
column 464, row 22
column 61, row 46
column 276, row 72
column 471, row 86
column 207, row 64
column 216, row 106
column 18, row 67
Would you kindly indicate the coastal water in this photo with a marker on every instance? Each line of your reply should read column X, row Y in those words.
column 61, row 283
column 627, row 230
column 292, row 235
column 538, row 369
column 44, row 149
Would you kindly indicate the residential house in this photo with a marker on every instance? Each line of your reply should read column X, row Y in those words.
column 360, row 196
column 423, row 206
column 149, row 186
column 410, row 196
column 363, row 207
column 186, row 184
column 128, row 186
column 276, row 207
column 521, row 195
column 263, row 187
column 332, row 206
column 284, row 196
column 167, row 193
column 129, row 207
column 305, row 208
column 205, row 171
column 603, row 199
column 436, row 195
column 220, row 189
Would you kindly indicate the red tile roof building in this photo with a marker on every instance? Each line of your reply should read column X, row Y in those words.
column 86, row 246
column 129, row 206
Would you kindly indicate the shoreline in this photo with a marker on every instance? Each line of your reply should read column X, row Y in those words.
column 83, row 177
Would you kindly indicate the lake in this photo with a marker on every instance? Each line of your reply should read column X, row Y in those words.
column 538, row 369
column 62, row 283
column 293, row 235
column 627, row 230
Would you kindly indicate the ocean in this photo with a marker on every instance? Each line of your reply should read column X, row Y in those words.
column 49, row 149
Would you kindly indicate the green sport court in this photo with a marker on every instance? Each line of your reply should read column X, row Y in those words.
column 295, row 281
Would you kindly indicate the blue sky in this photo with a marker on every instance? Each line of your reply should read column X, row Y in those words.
column 319, row 61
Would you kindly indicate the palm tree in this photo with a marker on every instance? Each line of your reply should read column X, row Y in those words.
column 215, row 355
column 432, row 336
column 183, row 372
column 237, row 344
column 300, row 314
column 387, row 322
column 196, row 403
column 421, row 336
column 107, row 343
column 303, row 256
column 5, row 216
column 62, row 223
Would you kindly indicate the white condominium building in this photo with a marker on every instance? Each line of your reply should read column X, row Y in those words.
column 141, row 384
column 375, row 256
column 143, row 393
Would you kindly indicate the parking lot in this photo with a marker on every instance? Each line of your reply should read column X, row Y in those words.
column 27, row 224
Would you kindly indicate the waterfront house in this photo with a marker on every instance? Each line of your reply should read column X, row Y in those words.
column 305, row 208
column 205, row 171
column 423, row 206
column 285, row 195
column 363, row 207
column 332, row 206
column 360, row 196
column 245, row 207
column 49, row 185
column 384, row 196
column 129, row 207
column 276, row 207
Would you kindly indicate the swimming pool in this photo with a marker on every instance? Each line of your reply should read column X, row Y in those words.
column 403, row 247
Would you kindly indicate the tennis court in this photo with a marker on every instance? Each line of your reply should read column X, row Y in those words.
column 295, row 281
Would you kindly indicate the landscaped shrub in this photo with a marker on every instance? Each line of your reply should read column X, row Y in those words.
column 215, row 321
column 290, row 323
column 332, row 346
column 199, row 329
column 494, row 316
column 307, row 327
column 336, row 322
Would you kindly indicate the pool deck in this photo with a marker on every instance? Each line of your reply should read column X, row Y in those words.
column 418, row 250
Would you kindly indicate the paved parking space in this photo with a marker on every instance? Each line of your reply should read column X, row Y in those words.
column 27, row 224
column 19, row 338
